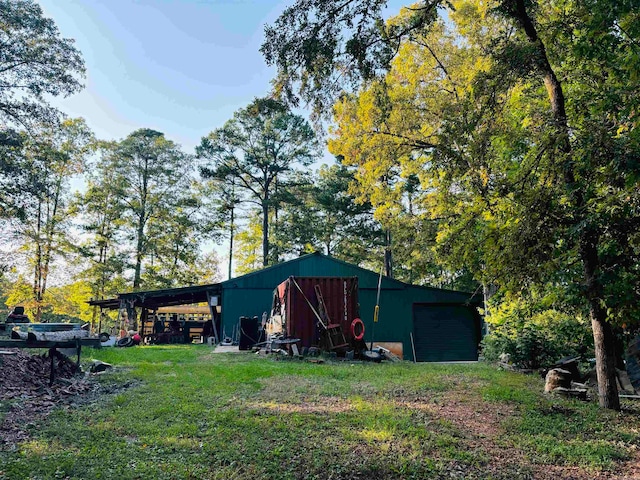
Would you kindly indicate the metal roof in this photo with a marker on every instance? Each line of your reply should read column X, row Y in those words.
column 110, row 303
column 313, row 264
column 171, row 296
column 153, row 299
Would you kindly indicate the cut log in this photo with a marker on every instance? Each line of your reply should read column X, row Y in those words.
column 557, row 377
column 55, row 336
column 579, row 393
column 570, row 364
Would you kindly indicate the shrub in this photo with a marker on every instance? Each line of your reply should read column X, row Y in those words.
column 535, row 339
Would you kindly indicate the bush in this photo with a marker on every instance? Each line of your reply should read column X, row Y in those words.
column 535, row 339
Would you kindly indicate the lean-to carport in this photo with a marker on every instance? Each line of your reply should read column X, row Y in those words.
column 152, row 300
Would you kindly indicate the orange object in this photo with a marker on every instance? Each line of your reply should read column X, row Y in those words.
column 357, row 329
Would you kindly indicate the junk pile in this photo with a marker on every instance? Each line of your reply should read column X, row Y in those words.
column 565, row 379
column 17, row 326
column 131, row 339
column 42, row 332
column 311, row 315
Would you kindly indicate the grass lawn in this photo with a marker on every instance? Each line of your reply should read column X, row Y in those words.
column 192, row 414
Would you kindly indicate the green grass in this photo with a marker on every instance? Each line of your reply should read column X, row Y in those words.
column 190, row 414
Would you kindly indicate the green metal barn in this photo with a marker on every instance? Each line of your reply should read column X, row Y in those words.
column 446, row 325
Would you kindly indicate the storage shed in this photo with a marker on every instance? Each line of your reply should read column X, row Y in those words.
column 445, row 324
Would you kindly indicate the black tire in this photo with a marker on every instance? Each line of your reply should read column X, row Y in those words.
column 125, row 342
column 104, row 337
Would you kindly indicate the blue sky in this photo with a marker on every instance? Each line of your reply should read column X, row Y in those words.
column 181, row 67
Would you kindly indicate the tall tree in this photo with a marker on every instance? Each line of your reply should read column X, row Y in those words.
column 221, row 203
column 174, row 240
column 34, row 62
column 514, row 154
column 56, row 156
column 153, row 177
column 325, row 216
column 101, row 209
column 14, row 174
column 249, row 240
column 258, row 149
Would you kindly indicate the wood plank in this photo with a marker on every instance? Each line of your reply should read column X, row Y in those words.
column 85, row 342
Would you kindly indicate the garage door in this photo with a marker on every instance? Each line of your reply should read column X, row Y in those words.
column 445, row 333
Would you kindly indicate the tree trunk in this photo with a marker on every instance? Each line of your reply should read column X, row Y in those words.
column 50, row 233
column 603, row 335
column 138, row 269
column 604, row 342
column 37, row 274
column 388, row 257
column 231, row 234
column 265, row 232
column 588, row 238
column 142, row 220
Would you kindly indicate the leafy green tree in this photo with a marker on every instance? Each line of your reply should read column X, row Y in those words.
column 258, row 150
column 529, row 160
column 14, row 174
column 56, row 156
column 174, row 244
column 153, row 179
column 62, row 303
column 100, row 209
column 207, row 268
column 34, row 62
column 249, row 241
column 221, row 203
column 323, row 215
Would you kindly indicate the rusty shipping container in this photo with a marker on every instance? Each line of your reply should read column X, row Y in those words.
column 340, row 296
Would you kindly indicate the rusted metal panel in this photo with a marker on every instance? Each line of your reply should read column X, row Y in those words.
column 340, row 297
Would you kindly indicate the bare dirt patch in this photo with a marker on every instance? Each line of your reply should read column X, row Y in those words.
column 481, row 427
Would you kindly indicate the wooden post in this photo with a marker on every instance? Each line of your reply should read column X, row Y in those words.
column 122, row 310
column 413, row 348
column 79, row 350
column 213, row 313
column 143, row 319
column 52, row 353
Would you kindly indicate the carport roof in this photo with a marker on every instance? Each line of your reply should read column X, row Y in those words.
column 153, row 299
